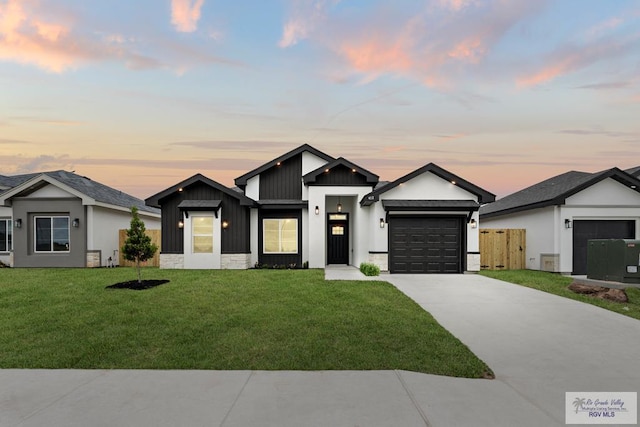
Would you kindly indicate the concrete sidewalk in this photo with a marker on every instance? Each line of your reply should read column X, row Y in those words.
column 57, row 398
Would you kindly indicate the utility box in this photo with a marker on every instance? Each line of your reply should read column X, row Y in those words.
column 615, row 260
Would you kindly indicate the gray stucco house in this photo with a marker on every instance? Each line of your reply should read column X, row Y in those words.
column 61, row 219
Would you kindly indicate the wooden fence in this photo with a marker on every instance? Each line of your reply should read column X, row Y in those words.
column 502, row 249
column 153, row 262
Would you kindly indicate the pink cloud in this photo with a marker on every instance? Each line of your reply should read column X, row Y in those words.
column 571, row 58
column 305, row 17
column 438, row 43
column 185, row 14
column 26, row 39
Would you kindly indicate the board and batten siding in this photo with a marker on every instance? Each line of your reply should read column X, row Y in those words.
column 235, row 239
column 282, row 182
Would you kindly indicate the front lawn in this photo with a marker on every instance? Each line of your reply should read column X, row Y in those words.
column 216, row 319
column 555, row 283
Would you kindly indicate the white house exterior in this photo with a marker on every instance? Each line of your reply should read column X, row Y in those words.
column 308, row 208
column 60, row 219
column 562, row 213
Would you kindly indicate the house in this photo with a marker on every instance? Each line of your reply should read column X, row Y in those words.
column 60, row 219
column 308, row 208
column 562, row 213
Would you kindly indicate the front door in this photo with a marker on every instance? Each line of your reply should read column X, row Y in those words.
column 338, row 238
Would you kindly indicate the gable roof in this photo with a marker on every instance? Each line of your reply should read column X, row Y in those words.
column 483, row 195
column 241, row 181
column 554, row 191
column 634, row 171
column 155, row 199
column 91, row 192
column 312, row 176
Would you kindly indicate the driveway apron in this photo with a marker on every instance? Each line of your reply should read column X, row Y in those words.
column 538, row 344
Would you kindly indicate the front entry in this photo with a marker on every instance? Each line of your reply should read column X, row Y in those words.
column 338, row 238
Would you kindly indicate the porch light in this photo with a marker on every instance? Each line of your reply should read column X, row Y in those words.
column 473, row 223
column 75, row 223
column 567, row 223
column 381, row 222
column 18, row 223
column 181, row 224
column 225, row 224
column 354, row 170
column 317, row 210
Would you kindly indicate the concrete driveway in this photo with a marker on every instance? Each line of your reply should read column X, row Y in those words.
column 539, row 345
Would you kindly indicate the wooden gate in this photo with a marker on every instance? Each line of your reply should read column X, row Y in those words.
column 153, row 262
column 502, row 249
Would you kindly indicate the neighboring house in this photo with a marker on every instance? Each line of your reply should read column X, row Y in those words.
column 308, row 207
column 562, row 213
column 60, row 219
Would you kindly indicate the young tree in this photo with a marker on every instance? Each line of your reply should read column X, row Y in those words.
column 138, row 247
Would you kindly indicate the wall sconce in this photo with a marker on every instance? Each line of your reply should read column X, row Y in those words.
column 181, row 224
column 567, row 223
column 225, row 224
column 317, row 210
column 473, row 223
column 381, row 222
column 18, row 223
column 75, row 223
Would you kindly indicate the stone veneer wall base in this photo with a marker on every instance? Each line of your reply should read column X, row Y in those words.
column 381, row 260
column 172, row 261
column 235, row 261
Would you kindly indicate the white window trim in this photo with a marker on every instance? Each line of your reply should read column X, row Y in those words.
column 280, row 220
column 8, row 232
column 35, row 237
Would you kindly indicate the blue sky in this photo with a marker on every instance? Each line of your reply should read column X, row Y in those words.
column 140, row 95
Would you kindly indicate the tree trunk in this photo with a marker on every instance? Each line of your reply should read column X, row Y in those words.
column 138, row 268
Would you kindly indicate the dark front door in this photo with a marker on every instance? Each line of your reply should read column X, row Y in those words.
column 338, row 238
column 583, row 230
column 425, row 244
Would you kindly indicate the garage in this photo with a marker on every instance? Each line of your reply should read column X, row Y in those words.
column 425, row 244
column 583, row 230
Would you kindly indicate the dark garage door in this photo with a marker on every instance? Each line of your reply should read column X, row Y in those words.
column 583, row 230
column 425, row 244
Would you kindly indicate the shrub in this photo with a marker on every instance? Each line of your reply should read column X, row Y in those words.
column 369, row 269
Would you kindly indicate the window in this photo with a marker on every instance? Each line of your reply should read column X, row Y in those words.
column 202, row 234
column 280, row 236
column 51, row 233
column 5, row 235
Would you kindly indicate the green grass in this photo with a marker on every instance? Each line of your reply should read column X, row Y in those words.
column 555, row 283
column 215, row 319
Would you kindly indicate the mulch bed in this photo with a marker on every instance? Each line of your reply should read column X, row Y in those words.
column 137, row 286
column 611, row 294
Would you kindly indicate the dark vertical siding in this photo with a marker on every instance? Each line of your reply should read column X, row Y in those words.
column 235, row 239
column 341, row 175
column 283, row 182
column 280, row 259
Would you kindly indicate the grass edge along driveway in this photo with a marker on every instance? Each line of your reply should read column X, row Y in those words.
column 555, row 283
column 220, row 320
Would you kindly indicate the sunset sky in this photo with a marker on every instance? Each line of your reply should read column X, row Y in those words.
column 142, row 94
